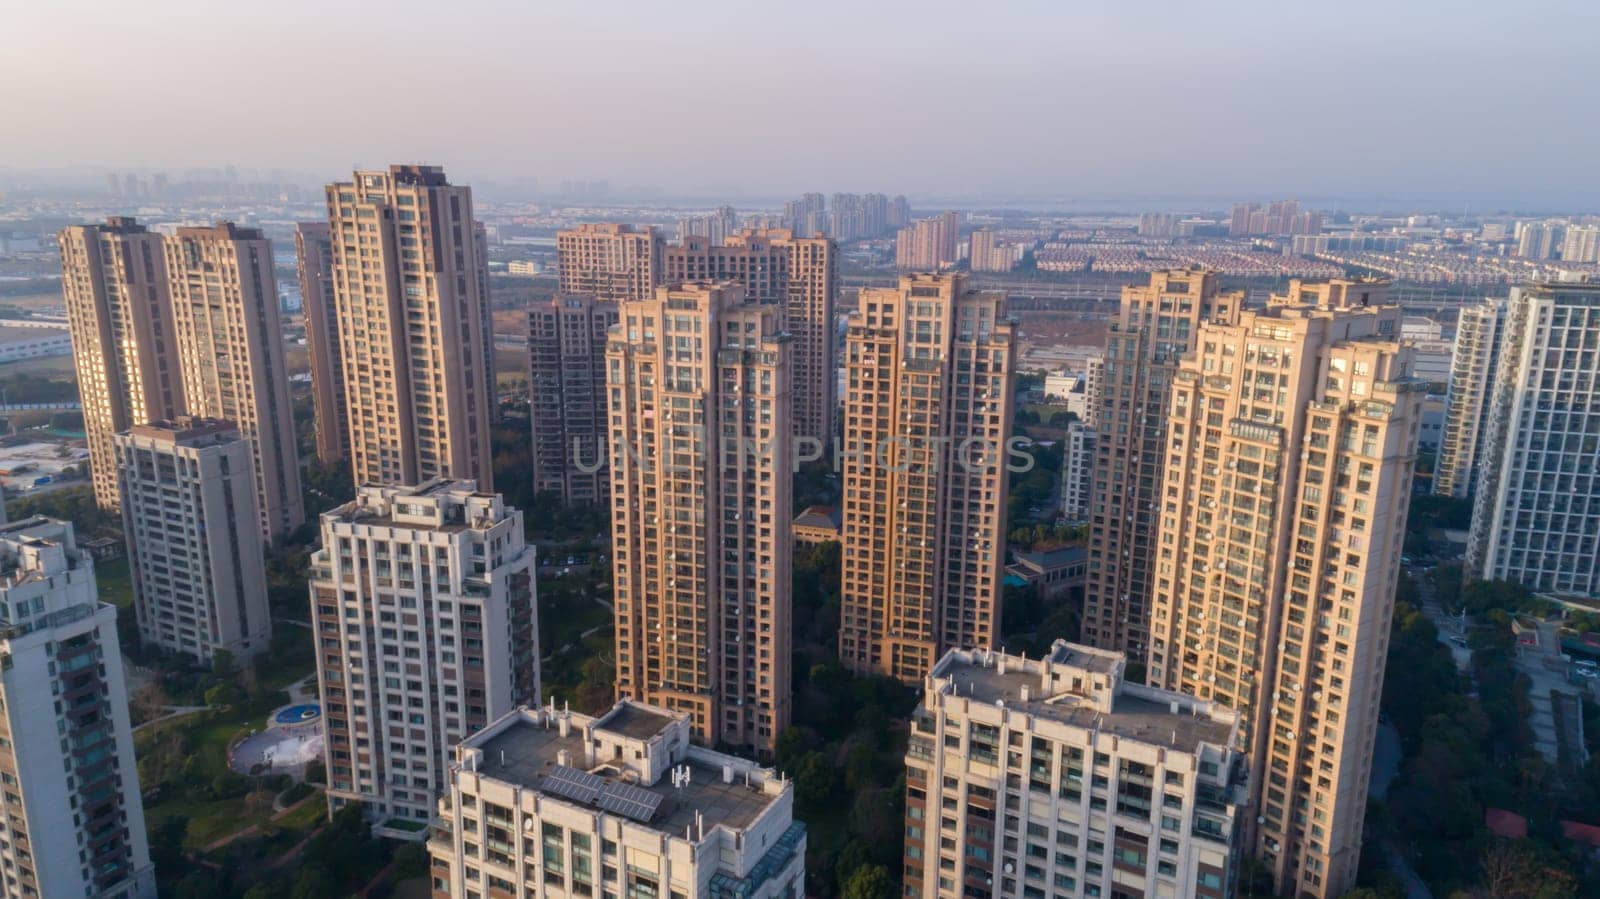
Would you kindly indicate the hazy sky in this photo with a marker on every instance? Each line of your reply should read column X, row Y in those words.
column 1464, row 101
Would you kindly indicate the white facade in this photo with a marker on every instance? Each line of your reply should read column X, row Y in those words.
column 188, row 493
column 552, row 804
column 74, row 822
column 1430, row 360
column 1472, row 371
column 1077, row 472
column 424, row 603
column 36, row 347
column 1055, row 776
column 1536, row 514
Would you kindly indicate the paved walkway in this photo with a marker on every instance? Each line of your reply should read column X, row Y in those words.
column 172, row 711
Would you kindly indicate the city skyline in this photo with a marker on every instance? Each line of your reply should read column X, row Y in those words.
column 1098, row 123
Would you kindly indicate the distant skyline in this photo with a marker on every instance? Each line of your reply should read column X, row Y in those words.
column 1427, row 104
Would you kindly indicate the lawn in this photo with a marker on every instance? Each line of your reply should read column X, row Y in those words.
column 205, row 760
column 116, row 586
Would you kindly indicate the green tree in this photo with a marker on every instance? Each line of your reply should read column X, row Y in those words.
column 870, row 882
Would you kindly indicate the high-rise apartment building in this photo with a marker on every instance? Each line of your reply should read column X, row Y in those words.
column 928, row 244
column 188, row 500
column 1536, row 511
column 114, row 283
column 899, row 212
column 715, row 226
column 801, row 275
column 987, row 255
column 230, row 345
column 567, row 397
column 700, row 409
column 1056, row 776
column 609, row 262
column 621, row 804
column 1539, row 240
column 313, row 248
column 413, row 326
column 1157, row 324
column 424, row 603
column 924, row 459
column 1077, row 472
column 1582, row 244
column 1473, row 361
column 1292, row 435
column 74, row 822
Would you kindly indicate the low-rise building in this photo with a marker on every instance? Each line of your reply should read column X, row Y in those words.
column 553, row 803
column 1032, row 777
column 1059, row 573
column 817, row 524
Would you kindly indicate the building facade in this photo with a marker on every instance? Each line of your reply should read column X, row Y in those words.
column 74, row 822
column 313, row 249
column 609, row 262
column 1057, row 776
column 986, row 254
column 545, row 802
column 1077, row 472
column 928, row 244
column 410, row 289
column 230, row 346
column 1536, row 512
column 700, row 405
column 1292, row 437
column 924, row 467
column 1472, row 371
column 114, row 284
column 1157, row 324
column 567, row 397
column 799, row 274
column 198, row 572
column 423, row 600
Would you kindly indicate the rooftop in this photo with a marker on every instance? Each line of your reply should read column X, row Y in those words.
column 1136, row 712
column 526, row 754
column 1055, row 558
column 635, row 721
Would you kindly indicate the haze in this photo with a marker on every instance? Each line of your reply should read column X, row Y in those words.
column 1465, row 102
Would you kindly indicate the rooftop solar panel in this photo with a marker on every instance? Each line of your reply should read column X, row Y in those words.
column 626, row 799
column 570, row 783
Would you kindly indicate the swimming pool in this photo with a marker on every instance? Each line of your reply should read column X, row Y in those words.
column 299, row 714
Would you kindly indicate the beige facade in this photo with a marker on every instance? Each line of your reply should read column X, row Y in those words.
column 74, row 821
column 1056, row 776
column 928, row 244
column 409, row 287
column 424, row 602
column 546, row 803
column 986, row 255
column 313, row 250
column 609, row 261
column 1291, row 440
column 699, row 387
column 567, row 397
column 1157, row 324
column 801, row 275
column 230, row 346
column 198, row 572
column 927, row 418
column 114, row 282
